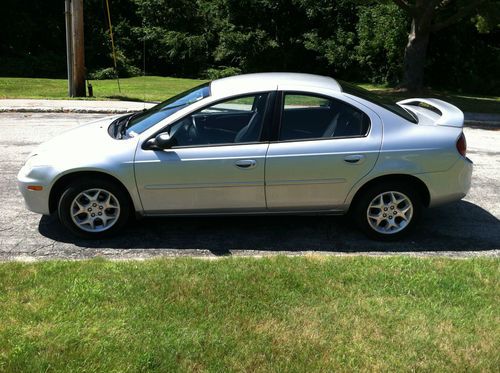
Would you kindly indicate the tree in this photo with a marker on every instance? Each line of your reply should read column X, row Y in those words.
column 432, row 16
column 381, row 39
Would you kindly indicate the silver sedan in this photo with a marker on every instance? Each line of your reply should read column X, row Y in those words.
column 272, row 143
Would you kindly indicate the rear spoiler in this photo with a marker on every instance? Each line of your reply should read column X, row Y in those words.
column 450, row 114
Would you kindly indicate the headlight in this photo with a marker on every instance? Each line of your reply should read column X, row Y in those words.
column 31, row 161
column 34, row 161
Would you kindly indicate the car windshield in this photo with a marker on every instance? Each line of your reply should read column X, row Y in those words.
column 140, row 122
column 378, row 100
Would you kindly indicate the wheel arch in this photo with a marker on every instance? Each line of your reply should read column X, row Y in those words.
column 419, row 185
column 60, row 185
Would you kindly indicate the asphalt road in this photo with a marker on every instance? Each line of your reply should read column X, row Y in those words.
column 467, row 228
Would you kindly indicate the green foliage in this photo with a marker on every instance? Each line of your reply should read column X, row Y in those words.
column 349, row 39
column 124, row 70
column 221, row 72
column 488, row 17
column 382, row 36
column 101, row 74
column 332, row 35
column 474, row 67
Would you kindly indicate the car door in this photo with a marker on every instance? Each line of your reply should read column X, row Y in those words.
column 323, row 147
column 215, row 165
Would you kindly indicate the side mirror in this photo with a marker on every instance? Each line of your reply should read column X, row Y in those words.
column 161, row 141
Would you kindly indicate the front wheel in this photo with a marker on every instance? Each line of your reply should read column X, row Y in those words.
column 388, row 211
column 93, row 209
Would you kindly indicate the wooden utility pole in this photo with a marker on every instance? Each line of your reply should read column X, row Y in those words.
column 69, row 47
column 75, row 48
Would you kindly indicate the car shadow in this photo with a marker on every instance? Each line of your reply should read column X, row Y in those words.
column 460, row 226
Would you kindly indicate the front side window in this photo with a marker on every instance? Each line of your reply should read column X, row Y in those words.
column 234, row 121
column 306, row 116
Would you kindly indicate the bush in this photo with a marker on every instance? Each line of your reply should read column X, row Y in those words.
column 102, row 74
column 128, row 71
column 110, row 73
column 221, row 72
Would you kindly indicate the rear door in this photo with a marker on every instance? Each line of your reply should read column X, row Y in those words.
column 324, row 145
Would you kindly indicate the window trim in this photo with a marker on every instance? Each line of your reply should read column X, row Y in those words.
column 267, row 121
column 281, row 108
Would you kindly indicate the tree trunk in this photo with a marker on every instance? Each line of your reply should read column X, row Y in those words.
column 416, row 49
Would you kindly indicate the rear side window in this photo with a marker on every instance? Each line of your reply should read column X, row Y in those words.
column 308, row 116
column 378, row 100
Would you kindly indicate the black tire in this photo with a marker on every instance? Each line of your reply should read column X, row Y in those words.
column 359, row 211
column 64, row 208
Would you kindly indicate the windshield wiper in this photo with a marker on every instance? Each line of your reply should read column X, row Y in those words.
column 123, row 125
column 117, row 123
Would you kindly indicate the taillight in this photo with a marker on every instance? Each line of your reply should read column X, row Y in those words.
column 462, row 145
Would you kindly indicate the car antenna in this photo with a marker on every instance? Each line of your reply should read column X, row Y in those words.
column 113, row 46
column 144, row 67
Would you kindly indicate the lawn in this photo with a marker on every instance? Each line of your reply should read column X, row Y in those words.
column 149, row 88
column 277, row 314
column 155, row 88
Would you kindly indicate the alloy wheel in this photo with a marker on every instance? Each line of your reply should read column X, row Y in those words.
column 95, row 210
column 389, row 212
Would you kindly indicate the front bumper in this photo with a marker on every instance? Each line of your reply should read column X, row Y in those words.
column 35, row 200
column 451, row 185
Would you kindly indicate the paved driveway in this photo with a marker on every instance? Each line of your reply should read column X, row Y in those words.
column 466, row 228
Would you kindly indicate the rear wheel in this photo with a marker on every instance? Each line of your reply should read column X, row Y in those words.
column 388, row 211
column 93, row 208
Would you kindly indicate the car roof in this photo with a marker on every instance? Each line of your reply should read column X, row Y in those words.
column 271, row 81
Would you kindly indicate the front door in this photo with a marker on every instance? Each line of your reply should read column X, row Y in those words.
column 324, row 147
column 216, row 164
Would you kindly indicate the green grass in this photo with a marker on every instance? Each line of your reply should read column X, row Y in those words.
column 149, row 88
column 155, row 88
column 278, row 314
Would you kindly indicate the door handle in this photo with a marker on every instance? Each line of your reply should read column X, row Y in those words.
column 246, row 163
column 354, row 158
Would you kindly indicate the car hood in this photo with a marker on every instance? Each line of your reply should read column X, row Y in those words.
column 89, row 143
column 94, row 133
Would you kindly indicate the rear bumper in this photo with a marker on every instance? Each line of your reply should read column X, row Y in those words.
column 451, row 185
